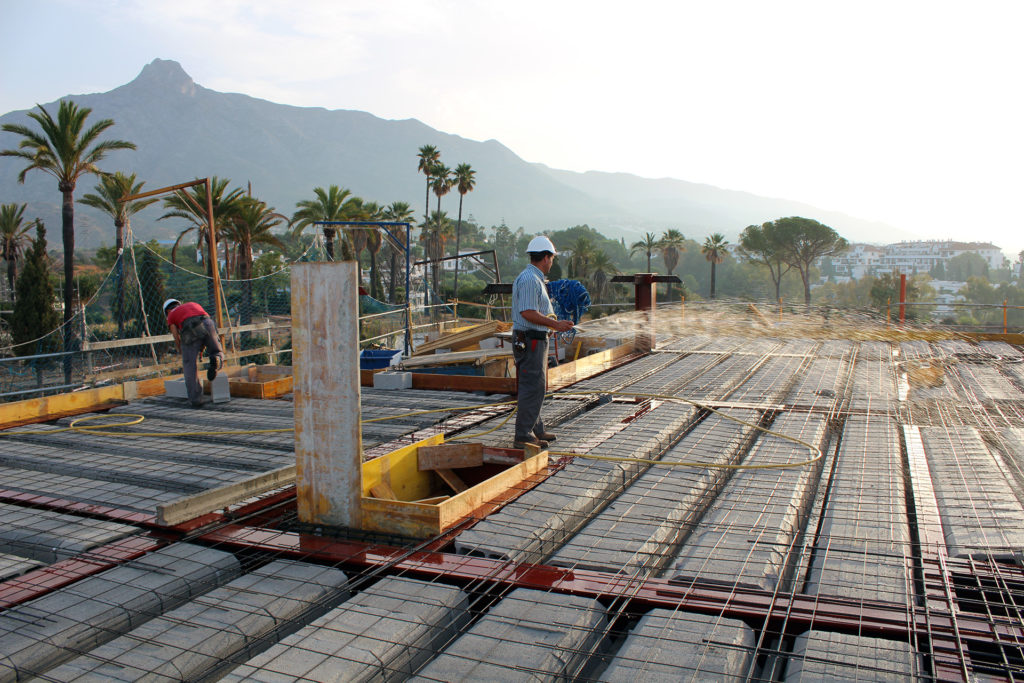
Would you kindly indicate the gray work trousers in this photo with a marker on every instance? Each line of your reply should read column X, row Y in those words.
column 196, row 336
column 532, row 382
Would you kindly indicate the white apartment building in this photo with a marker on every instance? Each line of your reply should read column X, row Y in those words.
column 908, row 257
column 857, row 261
column 921, row 256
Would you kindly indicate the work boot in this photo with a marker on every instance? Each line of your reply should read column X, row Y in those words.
column 533, row 441
column 546, row 436
column 216, row 363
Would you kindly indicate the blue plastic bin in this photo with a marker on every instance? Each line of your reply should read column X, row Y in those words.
column 375, row 359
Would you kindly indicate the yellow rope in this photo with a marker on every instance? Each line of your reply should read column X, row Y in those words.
column 136, row 419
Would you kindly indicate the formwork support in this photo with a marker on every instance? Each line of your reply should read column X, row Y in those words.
column 325, row 341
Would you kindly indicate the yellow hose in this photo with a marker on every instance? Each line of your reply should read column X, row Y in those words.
column 135, row 419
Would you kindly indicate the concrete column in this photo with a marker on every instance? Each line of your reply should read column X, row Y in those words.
column 325, row 361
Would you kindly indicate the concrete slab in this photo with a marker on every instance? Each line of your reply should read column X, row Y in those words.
column 384, row 633
column 210, row 634
column 38, row 636
column 527, row 636
column 48, row 536
column 824, row 656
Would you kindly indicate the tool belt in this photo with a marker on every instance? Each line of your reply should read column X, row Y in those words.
column 192, row 329
column 523, row 335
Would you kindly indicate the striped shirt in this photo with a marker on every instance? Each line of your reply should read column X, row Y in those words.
column 529, row 293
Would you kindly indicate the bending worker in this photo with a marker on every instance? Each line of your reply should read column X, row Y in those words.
column 532, row 320
column 194, row 331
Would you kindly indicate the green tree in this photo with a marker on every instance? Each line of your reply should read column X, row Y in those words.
column 885, row 291
column 648, row 245
column 251, row 225
column 465, row 181
column 763, row 244
column 329, row 205
column 429, row 157
column 434, row 238
column 13, row 239
column 35, row 316
column 150, row 318
column 803, row 241
column 714, row 252
column 671, row 244
column 964, row 266
column 397, row 212
column 107, row 199
column 66, row 150
column 604, row 268
column 581, row 258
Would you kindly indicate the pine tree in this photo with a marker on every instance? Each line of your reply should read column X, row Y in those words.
column 34, row 316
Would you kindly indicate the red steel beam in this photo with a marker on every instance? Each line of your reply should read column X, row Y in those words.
column 76, row 507
column 39, row 582
column 796, row 612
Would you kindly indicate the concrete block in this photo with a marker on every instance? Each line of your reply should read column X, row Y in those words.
column 385, row 633
column 667, row 645
column 44, row 633
column 530, row 635
column 392, row 380
column 823, row 656
column 207, row 636
column 220, row 389
column 175, row 388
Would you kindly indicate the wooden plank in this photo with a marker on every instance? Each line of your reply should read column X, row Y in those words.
column 462, row 338
column 455, row 357
column 569, row 373
column 201, row 503
column 383, row 491
column 59, row 405
column 432, row 501
column 450, row 456
column 164, row 338
column 498, row 385
column 465, row 503
column 452, row 479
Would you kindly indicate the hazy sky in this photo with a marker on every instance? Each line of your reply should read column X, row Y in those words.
column 905, row 112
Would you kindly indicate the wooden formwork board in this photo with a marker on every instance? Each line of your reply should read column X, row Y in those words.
column 418, row 510
column 558, row 377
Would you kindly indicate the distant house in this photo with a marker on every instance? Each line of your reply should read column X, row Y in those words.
column 908, row 257
column 857, row 261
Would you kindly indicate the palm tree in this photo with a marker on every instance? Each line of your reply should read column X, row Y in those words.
column 581, row 255
column 434, row 239
column 714, row 251
column 648, row 245
column 13, row 239
column 465, row 181
column 671, row 244
column 604, row 269
column 107, row 199
column 329, row 205
column 190, row 205
column 66, row 150
column 441, row 184
column 398, row 212
column 429, row 157
column 250, row 225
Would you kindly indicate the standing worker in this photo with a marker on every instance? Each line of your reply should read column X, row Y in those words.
column 532, row 320
column 194, row 331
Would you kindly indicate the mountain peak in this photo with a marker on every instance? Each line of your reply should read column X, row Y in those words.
column 166, row 73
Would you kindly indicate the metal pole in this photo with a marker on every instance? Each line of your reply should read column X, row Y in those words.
column 1005, row 301
column 903, row 298
column 214, row 265
column 408, row 293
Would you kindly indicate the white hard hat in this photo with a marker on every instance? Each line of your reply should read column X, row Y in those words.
column 540, row 243
column 169, row 302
